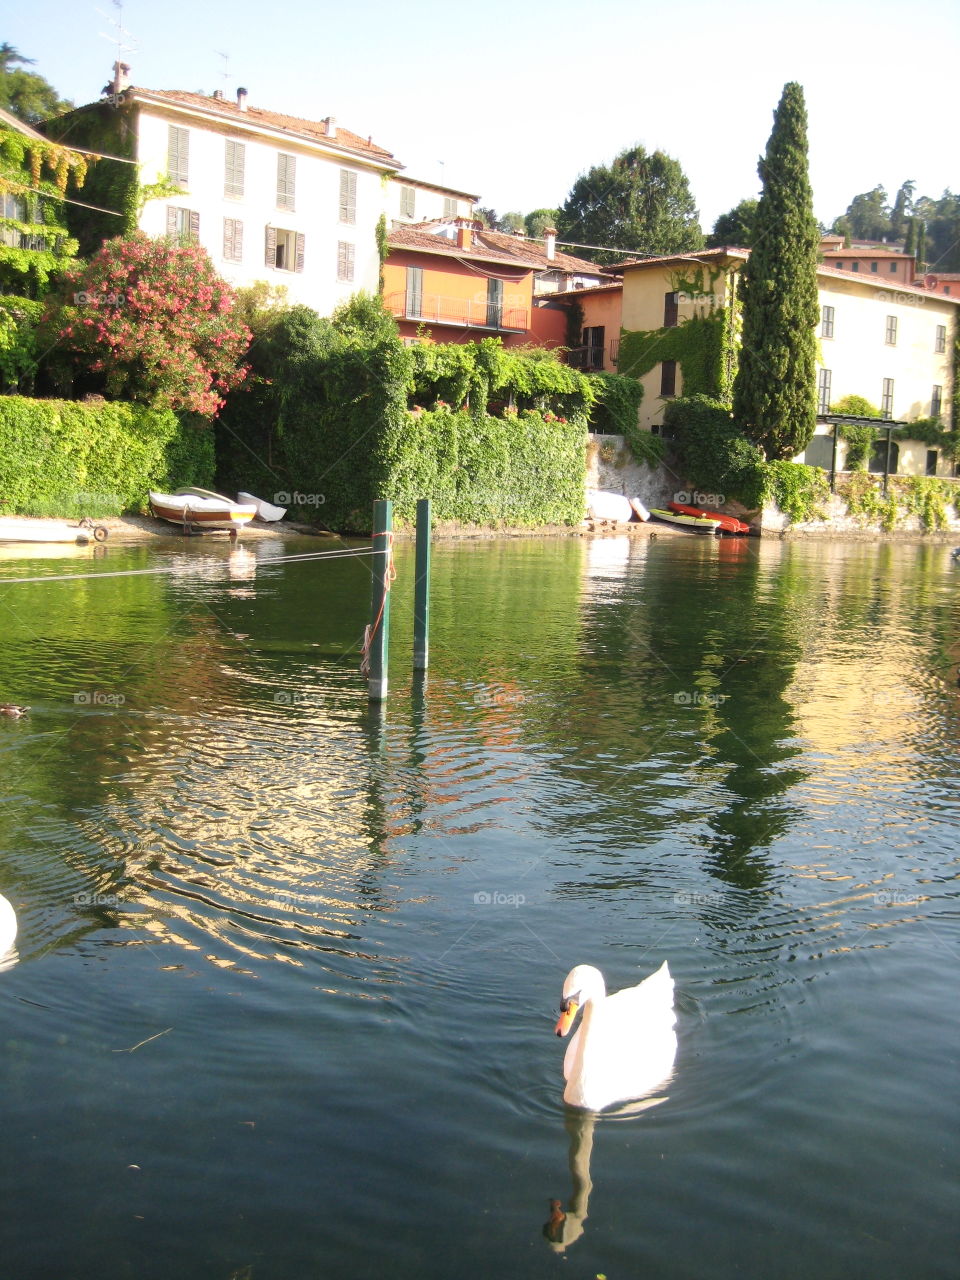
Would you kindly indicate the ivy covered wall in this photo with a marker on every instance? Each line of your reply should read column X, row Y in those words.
column 703, row 343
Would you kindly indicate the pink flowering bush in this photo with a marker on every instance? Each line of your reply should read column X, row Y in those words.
column 155, row 318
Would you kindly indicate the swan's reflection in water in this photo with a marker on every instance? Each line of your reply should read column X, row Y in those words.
column 565, row 1226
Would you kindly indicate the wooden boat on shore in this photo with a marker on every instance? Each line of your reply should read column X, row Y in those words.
column 728, row 524
column 201, row 509
column 696, row 524
column 28, row 529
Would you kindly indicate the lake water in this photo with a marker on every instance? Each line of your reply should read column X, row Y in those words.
column 289, row 968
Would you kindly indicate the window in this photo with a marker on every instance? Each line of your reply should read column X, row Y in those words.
column 873, row 266
column 414, row 300
column 408, row 202
column 178, row 154
column 671, row 306
column 345, row 260
column 826, row 322
column 940, row 342
column 933, row 458
column 233, row 170
column 284, row 249
column 449, row 207
column 348, row 199
column 824, row 381
column 946, row 288
column 233, row 240
column 668, row 378
column 936, row 401
column 183, row 224
column 879, row 456
column 839, row 266
column 18, row 209
column 893, row 268
column 594, row 338
column 286, row 181
column 854, row 266
column 494, row 303
column 891, row 333
column 886, row 403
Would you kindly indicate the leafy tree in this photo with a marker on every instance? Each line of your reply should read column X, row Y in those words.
column 774, row 395
column 639, row 202
column 867, row 216
column 512, row 221
column 939, row 231
column 537, row 221
column 156, row 320
column 24, row 93
column 902, row 207
column 734, row 227
column 487, row 216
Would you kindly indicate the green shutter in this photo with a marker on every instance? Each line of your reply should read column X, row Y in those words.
column 194, row 224
column 301, row 243
column 270, row 256
column 171, row 220
column 414, row 301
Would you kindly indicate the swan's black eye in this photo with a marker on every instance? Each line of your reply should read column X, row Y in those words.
column 566, row 1003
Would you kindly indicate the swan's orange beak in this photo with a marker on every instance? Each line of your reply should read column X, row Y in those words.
column 568, row 1011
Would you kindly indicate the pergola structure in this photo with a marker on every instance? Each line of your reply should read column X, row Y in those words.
column 837, row 420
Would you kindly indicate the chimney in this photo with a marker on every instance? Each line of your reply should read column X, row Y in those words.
column 242, row 99
column 331, row 126
column 550, row 236
column 464, row 237
column 121, row 77
column 218, row 95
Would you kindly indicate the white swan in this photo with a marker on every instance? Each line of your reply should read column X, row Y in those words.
column 625, row 1045
column 8, row 926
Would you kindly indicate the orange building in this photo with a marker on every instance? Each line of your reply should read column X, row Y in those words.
column 460, row 282
column 455, row 289
column 596, row 343
column 882, row 262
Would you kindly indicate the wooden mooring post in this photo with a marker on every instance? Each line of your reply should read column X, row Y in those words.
column 421, row 590
column 379, row 633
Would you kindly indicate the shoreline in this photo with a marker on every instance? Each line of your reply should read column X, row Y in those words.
column 132, row 529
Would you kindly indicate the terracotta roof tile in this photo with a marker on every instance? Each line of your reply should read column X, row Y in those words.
column 410, row 237
column 313, row 130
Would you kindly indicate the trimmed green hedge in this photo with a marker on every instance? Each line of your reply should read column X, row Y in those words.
column 70, row 459
column 338, row 413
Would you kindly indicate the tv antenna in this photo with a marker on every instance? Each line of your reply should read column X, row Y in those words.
column 122, row 40
column 225, row 73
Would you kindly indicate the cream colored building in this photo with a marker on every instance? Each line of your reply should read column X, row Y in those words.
column 893, row 345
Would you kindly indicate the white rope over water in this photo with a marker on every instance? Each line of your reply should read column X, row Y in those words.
column 346, row 554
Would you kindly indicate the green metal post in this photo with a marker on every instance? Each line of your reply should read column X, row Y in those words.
column 421, row 591
column 380, row 602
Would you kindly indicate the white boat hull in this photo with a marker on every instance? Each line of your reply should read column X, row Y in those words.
column 13, row 529
column 265, row 510
column 191, row 511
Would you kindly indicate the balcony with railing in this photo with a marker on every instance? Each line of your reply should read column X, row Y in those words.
column 465, row 313
column 592, row 359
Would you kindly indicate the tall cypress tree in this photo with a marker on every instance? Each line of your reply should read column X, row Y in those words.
column 775, row 393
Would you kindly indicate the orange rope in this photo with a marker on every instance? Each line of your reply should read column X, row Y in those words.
column 389, row 576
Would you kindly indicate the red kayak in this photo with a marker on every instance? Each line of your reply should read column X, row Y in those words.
column 728, row 524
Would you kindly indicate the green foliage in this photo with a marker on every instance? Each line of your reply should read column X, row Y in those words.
column 112, row 185
column 923, row 496
column 711, row 452
column 699, row 345
column 383, row 247
column 639, row 202
column 735, row 227
column 325, row 415
column 859, row 438
column 798, row 490
column 24, row 93
column 931, row 432
column 539, row 220
column 856, row 407
column 41, row 242
column 60, row 457
column 617, row 406
column 19, row 318
column 775, row 391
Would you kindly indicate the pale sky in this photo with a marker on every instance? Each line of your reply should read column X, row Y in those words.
column 513, row 101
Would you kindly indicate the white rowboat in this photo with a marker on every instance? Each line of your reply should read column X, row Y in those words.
column 265, row 510
column 15, row 529
column 193, row 509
